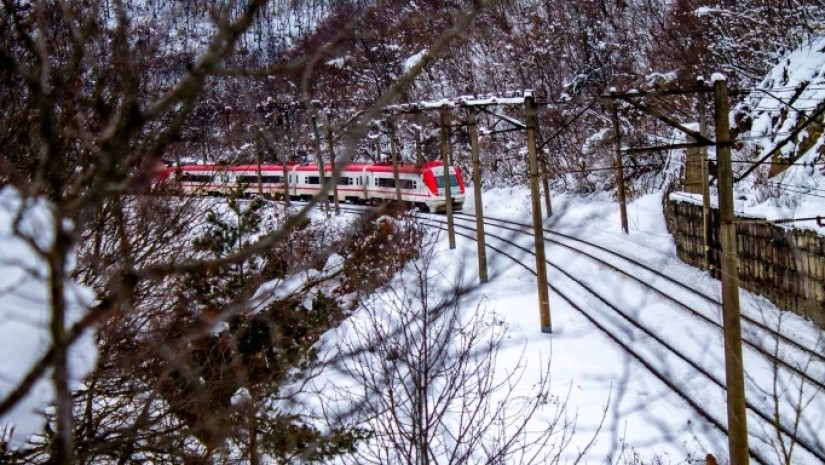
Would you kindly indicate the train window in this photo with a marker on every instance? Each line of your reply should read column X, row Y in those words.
column 440, row 181
column 313, row 180
column 253, row 179
column 407, row 184
column 344, row 181
column 385, row 182
column 199, row 178
column 250, row 179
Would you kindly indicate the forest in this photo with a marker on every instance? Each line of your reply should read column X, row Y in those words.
column 185, row 330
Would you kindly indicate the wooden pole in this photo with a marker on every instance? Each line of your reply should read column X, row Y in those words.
column 538, row 233
column 480, row 239
column 319, row 159
column 394, row 154
column 448, row 196
column 620, row 187
column 703, row 152
column 734, row 369
column 331, row 148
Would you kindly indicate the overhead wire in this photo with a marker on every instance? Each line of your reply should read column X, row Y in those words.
column 794, row 191
column 794, row 186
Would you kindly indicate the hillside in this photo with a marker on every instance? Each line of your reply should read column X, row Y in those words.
column 783, row 116
column 250, row 330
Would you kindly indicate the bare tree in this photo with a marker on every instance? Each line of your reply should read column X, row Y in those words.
column 97, row 98
column 428, row 387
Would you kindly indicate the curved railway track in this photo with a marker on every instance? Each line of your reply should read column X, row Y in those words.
column 772, row 335
column 814, row 449
column 564, row 240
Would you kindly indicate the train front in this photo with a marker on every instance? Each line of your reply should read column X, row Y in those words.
column 433, row 176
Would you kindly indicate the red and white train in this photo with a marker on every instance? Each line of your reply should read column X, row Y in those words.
column 422, row 185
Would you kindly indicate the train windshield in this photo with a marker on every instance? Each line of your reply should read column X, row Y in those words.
column 440, row 181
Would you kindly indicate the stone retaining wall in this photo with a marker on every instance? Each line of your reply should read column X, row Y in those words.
column 787, row 266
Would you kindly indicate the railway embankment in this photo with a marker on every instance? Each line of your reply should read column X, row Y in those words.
column 784, row 264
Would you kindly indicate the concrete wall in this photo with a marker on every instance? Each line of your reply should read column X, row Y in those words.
column 787, row 266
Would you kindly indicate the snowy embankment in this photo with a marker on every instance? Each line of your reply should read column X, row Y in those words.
column 26, row 232
column 790, row 95
column 607, row 393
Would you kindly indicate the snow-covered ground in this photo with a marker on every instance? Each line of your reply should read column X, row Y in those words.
column 641, row 415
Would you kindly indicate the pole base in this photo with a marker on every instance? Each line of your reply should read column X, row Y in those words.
column 547, row 330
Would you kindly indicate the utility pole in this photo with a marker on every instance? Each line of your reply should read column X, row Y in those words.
column 320, row 160
column 619, row 168
column 419, row 150
column 448, row 197
column 545, row 181
column 480, row 239
column 331, row 145
column 530, row 112
column 286, row 135
column 703, row 153
column 258, row 163
column 734, row 369
column 394, row 154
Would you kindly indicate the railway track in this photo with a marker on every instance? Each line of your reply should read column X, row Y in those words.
column 771, row 335
column 620, row 264
column 614, row 332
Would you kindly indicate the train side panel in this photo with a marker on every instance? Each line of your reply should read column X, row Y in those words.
column 422, row 185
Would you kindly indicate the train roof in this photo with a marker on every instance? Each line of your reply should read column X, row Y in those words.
column 310, row 167
column 372, row 167
column 247, row 167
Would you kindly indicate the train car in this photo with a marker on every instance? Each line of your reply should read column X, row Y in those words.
column 225, row 179
column 420, row 185
column 270, row 184
column 199, row 179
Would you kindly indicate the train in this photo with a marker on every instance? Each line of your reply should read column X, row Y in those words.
column 421, row 185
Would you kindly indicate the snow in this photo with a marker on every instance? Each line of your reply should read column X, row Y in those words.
column 25, row 313
column 783, row 100
column 718, row 77
column 598, row 378
column 413, row 61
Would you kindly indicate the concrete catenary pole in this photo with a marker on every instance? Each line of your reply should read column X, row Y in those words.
column 545, row 181
column 703, row 153
column 286, row 137
column 530, row 112
column 258, row 161
column 480, row 239
column 419, row 148
column 734, row 370
column 396, row 177
column 331, row 148
column 448, row 197
column 319, row 158
column 620, row 187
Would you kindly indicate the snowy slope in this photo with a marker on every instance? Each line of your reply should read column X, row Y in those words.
column 608, row 393
column 789, row 95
